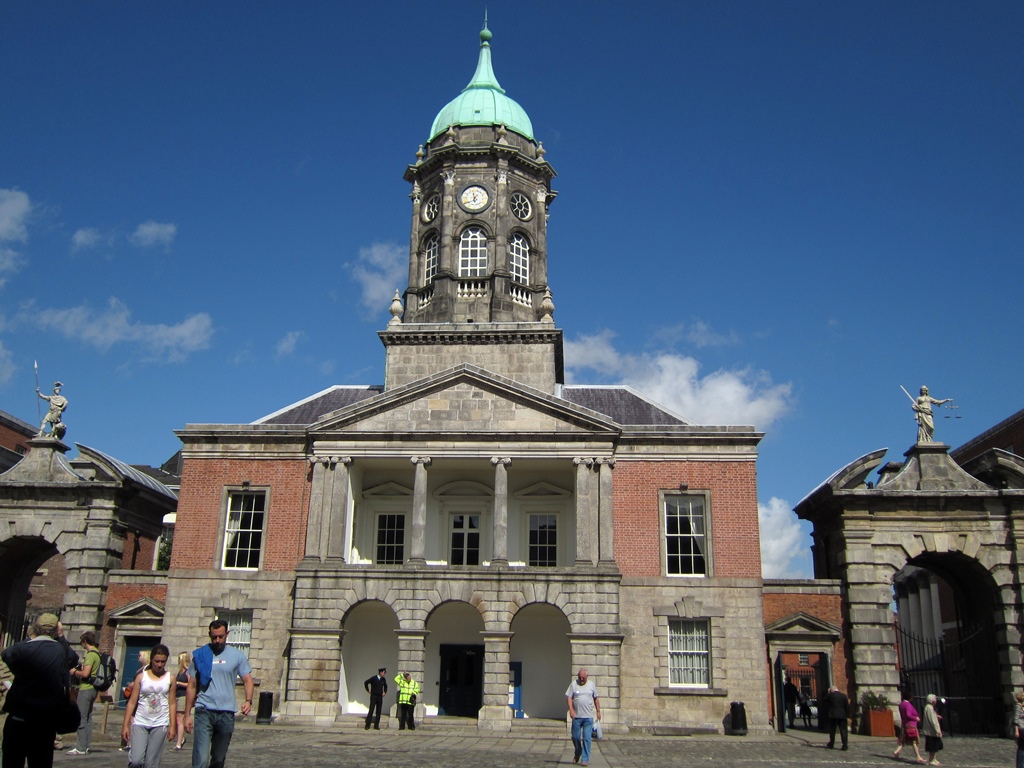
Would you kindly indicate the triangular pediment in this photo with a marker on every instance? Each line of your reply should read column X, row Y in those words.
column 140, row 610
column 542, row 491
column 801, row 623
column 464, row 400
column 385, row 490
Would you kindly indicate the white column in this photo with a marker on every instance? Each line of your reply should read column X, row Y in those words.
column 585, row 522
column 606, row 520
column 418, row 546
column 499, row 534
column 339, row 534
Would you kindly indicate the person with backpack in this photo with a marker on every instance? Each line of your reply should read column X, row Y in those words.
column 87, row 692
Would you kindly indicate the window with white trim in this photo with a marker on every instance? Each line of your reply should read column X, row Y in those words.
column 543, row 543
column 431, row 249
column 473, row 253
column 239, row 628
column 686, row 542
column 689, row 653
column 243, row 533
column 464, row 535
column 519, row 258
column 390, row 538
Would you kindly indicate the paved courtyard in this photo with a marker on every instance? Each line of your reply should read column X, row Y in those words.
column 292, row 747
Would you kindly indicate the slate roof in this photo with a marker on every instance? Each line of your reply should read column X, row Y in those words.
column 623, row 405
column 126, row 471
column 313, row 407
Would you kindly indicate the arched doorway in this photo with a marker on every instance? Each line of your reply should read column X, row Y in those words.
column 20, row 561
column 454, row 680
column 541, row 655
column 946, row 640
column 369, row 643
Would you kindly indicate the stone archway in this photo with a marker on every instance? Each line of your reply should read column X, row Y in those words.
column 369, row 643
column 20, row 560
column 539, row 650
column 930, row 513
column 947, row 640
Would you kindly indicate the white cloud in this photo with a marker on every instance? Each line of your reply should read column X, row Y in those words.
column 785, row 550
column 741, row 396
column 152, row 233
column 286, row 345
column 104, row 329
column 15, row 207
column 380, row 270
column 7, row 367
column 87, row 237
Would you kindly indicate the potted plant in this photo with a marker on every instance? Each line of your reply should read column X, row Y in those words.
column 877, row 719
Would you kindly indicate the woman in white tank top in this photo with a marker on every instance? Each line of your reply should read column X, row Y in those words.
column 153, row 705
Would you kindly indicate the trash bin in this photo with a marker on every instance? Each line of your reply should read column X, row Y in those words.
column 266, row 707
column 738, row 715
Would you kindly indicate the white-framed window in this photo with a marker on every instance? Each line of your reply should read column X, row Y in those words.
column 689, row 653
column 804, row 660
column 239, row 628
column 473, row 253
column 390, row 545
column 520, row 206
column 464, row 537
column 431, row 251
column 542, row 546
column 519, row 258
column 685, row 531
column 243, row 531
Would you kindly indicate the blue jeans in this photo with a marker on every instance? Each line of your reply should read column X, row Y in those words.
column 211, row 737
column 582, row 731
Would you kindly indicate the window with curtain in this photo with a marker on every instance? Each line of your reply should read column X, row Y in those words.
column 689, row 653
column 686, row 535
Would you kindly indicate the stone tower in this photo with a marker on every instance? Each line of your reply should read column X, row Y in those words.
column 478, row 279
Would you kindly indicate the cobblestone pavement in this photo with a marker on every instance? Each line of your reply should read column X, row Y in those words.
column 293, row 747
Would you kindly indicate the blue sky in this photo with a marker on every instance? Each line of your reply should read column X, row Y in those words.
column 769, row 212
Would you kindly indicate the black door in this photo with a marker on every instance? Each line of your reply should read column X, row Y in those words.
column 462, row 680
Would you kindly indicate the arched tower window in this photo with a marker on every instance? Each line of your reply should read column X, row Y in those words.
column 519, row 258
column 431, row 249
column 473, row 253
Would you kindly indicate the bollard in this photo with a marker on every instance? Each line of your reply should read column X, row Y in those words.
column 738, row 716
column 265, row 708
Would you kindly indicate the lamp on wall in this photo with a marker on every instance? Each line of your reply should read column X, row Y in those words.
column 684, row 486
column 245, row 483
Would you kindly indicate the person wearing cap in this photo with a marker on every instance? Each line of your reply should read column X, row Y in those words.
column 39, row 666
column 408, row 690
column 377, row 687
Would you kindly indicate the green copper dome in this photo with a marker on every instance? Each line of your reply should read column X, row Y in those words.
column 483, row 101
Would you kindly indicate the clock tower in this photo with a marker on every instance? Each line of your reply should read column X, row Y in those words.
column 478, row 279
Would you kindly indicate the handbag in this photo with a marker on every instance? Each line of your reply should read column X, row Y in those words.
column 67, row 718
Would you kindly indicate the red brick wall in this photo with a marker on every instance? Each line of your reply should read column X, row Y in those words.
column 201, row 499
column 825, row 607
column 11, row 439
column 143, row 558
column 120, row 595
column 49, row 584
column 735, row 541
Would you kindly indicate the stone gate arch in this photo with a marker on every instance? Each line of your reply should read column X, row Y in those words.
column 927, row 513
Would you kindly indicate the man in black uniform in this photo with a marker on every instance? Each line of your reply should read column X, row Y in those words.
column 377, row 687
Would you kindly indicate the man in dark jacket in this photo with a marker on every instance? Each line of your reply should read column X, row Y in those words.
column 377, row 687
column 837, row 705
column 39, row 666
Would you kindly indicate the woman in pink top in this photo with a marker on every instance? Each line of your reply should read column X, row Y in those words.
column 908, row 727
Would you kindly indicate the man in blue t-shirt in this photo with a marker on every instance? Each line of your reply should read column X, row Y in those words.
column 211, row 688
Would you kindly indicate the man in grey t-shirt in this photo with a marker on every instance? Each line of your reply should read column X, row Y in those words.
column 584, row 708
column 211, row 687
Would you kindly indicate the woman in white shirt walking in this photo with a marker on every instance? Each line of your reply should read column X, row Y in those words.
column 153, row 704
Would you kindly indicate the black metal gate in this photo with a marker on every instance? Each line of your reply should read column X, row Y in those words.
column 961, row 668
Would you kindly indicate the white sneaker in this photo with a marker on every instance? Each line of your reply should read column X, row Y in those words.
column 77, row 751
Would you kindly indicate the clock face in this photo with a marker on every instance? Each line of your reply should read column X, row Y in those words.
column 430, row 208
column 474, row 198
